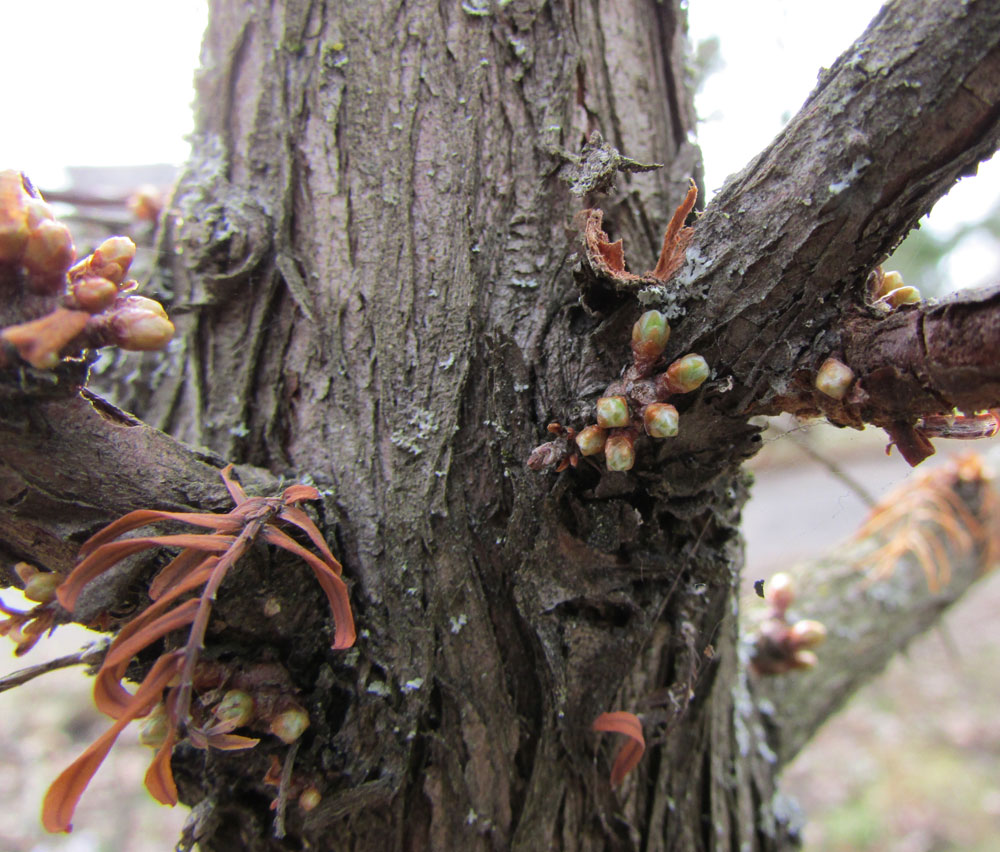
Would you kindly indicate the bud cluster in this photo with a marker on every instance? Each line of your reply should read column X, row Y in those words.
column 782, row 645
column 888, row 292
column 68, row 307
column 635, row 404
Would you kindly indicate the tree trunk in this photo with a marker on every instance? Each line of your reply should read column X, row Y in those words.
column 370, row 263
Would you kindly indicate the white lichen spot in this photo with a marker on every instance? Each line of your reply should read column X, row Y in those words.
column 476, row 8
column 766, row 752
column 524, row 283
column 457, row 623
column 379, row 688
column 421, row 425
column 414, row 684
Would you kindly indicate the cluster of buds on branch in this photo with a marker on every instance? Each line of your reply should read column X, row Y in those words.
column 886, row 292
column 61, row 309
column 635, row 404
column 782, row 645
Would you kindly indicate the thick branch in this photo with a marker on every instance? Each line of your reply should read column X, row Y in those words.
column 920, row 361
column 880, row 592
column 70, row 465
column 783, row 251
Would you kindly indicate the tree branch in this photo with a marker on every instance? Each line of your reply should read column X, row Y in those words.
column 774, row 273
column 882, row 591
column 71, row 465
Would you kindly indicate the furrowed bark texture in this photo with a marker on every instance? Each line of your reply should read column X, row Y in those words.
column 370, row 266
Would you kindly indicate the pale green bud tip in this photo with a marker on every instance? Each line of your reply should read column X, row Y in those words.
column 619, row 453
column 834, row 378
column 41, row 588
column 807, row 634
column 660, row 420
column 688, row 373
column 612, row 412
column 652, row 330
column 290, row 725
column 591, row 440
column 236, row 708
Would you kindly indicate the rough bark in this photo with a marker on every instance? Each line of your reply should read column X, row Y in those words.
column 369, row 262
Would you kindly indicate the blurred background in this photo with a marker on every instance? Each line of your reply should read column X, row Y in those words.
column 912, row 765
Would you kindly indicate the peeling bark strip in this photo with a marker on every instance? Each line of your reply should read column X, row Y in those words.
column 368, row 266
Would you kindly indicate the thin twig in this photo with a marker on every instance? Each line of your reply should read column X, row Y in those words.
column 862, row 493
column 91, row 655
column 286, row 780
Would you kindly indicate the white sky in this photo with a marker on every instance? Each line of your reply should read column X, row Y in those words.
column 109, row 82
column 772, row 50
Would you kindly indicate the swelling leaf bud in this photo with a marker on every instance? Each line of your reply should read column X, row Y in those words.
column 687, row 373
column 92, row 294
column 139, row 324
column 290, row 725
column 612, row 412
column 235, row 709
column 660, row 420
column 901, row 296
column 49, row 250
column 13, row 216
column 41, row 588
column 591, row 440
column 650, row 335
column 834, row 378
column 619, row 453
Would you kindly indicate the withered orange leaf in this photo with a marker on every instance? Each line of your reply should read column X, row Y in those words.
column 676, row 238
column 65, row 792
column 144, row 517
column 159, row 777
column 621, row 722
column 107, row 555
column 329, row 579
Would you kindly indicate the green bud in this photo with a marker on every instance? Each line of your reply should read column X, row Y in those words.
column 660, row 420
column 290, row 725
column 41, row 588
column 650, row 334
column 612, row 412
column 619, row 453
column 235, row 709
column 687, row 373
column 591, row 440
